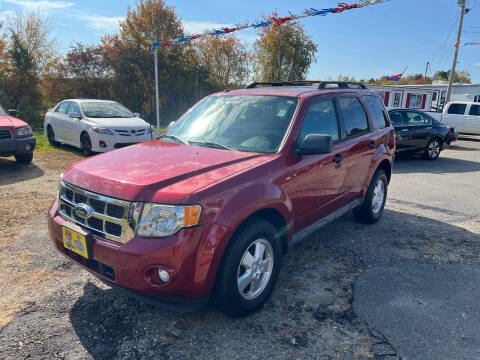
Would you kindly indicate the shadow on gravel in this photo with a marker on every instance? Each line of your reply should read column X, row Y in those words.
column 443, row 165
column 310, row 312
column 11, row 172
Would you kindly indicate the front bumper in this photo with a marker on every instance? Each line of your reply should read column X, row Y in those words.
column 17, row 146
column 104, row 143
column 194, row 254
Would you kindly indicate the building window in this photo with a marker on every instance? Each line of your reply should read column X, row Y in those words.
column 434, row 96
column 397, row 99
column 416, row 101
column 476, row 98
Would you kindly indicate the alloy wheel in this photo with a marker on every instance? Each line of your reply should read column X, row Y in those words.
column 378, row 196
column 255, row 269
column 434, row 149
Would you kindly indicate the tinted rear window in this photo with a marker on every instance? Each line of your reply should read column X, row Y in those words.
column 376, row 107
column 475, row 110
column 457, row 109
column 354, row 116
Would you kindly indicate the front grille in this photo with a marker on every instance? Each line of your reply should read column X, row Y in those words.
column 133, row 132
column 5, row 134
column 122, row 145
column 111, row 218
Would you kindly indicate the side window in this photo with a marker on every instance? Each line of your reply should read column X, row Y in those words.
column 62, row 108
column 475, row 110
column 353, row 115
column 457, row 109
column 416, row 119
column 377, row 110
column 320, row 118
column 73, row 108
column 397, row 118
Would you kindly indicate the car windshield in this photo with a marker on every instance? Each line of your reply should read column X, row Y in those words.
column 3, row 112
column 105, row 110
column 252, row 123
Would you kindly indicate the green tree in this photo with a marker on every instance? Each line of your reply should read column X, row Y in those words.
column 283, row 52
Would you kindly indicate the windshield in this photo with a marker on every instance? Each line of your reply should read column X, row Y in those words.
column 253, row 123
column 3, row 112
column 105, row 110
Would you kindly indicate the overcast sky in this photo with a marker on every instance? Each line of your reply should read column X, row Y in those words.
column 369, row 42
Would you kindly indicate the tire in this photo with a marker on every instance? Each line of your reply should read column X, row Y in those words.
column 373, row 204
column 24, row 158
column 86, row 144
column 433, row 149
column 51, row 136
column 227, row 295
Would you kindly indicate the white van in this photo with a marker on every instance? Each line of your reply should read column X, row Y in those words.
column 464, row 116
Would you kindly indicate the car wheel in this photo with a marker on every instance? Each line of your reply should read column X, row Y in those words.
column 432, row 150
column 373, row 204
column 249, row 270
column 51, row 136
column 24, row 158
column 86, row 144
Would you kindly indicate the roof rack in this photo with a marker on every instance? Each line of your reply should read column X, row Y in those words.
column 321, row 84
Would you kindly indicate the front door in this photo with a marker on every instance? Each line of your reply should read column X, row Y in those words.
column 73, row 125
column 472, row 124
column 318, row 178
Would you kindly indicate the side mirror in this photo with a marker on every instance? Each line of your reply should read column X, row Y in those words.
column 75, row 115
column 170, row 125
column 315, row 144
column 136, row 114
column 13, row 112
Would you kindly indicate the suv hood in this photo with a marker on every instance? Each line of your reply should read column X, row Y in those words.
column 119, row 122
column 11, row 122
column 157, row 170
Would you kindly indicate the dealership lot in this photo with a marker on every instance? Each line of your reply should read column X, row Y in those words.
column 321, row 304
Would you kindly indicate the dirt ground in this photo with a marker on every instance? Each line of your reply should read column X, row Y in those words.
column 50, row 308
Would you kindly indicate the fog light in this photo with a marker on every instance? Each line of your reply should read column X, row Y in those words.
column 102, row 144
column 28, row 147
column 164, row 275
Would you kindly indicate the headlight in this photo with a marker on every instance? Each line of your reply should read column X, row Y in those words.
column 24, row 131
column 165, row 220
column 102, row 130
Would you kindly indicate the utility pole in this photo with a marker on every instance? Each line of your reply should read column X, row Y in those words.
column 426, row 71
column 462, row 3
column 155, row 60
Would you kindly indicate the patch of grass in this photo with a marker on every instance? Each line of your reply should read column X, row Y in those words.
column 42, row 141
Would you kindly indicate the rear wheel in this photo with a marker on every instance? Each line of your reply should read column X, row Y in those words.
column 249, row 270
column 24, row 158
column 51, row 136
column 86, row 144
column 374, row 202
column 432, row 150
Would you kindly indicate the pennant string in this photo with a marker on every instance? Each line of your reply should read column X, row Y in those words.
column 341, row 7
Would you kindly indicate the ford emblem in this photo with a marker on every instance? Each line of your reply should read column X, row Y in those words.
column 83, row 211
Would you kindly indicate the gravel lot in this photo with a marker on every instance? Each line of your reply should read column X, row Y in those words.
column 316, row 312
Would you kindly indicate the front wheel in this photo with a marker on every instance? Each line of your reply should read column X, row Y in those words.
column 249, row 270
column 24, row 158
column 432, row 150
column 374, row 202
column 86, row 144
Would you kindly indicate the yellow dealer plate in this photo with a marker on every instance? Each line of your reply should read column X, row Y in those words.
column 75, row 241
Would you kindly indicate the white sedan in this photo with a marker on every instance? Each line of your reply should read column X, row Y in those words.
column 95, row 125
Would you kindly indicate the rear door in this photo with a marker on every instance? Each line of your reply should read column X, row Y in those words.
column 319, row 178
column 419, row 130
column 58, row 121
column 473, row 119
column 359, row 143
column 401, row 129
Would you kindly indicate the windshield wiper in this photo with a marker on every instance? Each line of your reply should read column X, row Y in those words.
column 210, row 144
column 175, row 138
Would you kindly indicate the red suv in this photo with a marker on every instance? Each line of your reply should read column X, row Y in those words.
column 207, row 211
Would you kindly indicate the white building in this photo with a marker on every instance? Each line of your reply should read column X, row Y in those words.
column 425, row 97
